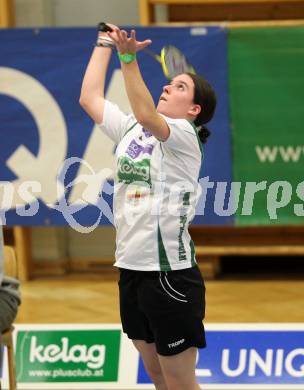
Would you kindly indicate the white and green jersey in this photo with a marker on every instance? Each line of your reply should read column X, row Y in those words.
column 155, row 192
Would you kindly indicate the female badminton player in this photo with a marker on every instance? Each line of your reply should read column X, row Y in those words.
column 158, row 160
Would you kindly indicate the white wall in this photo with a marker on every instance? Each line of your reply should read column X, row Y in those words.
column 90, row 12
column 62, row 13
column 58, row 243
column 34, row 13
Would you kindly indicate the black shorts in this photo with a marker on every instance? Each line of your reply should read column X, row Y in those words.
column 166, row 308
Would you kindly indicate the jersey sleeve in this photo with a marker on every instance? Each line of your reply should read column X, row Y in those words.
column 115, row 123
column 183, row 137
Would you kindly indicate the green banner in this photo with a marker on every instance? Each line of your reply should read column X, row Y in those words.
column 266, row 82
column 68, row 355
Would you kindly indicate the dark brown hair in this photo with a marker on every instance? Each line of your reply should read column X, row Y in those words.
column 204, row 96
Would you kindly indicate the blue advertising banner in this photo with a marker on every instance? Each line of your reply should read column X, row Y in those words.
column 101, row 356
column 56, row 166
column 241, row 355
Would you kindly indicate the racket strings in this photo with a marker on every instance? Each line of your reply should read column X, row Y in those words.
column 175, row 62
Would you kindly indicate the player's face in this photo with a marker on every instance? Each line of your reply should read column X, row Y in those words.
column 177, row 97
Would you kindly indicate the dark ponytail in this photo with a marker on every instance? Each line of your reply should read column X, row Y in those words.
column 204, row 95
column 203, row 134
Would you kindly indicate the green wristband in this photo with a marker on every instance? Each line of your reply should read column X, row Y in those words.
column 126, row 57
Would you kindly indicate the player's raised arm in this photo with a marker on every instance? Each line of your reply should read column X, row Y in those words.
column 139, row 96
column 92, row 90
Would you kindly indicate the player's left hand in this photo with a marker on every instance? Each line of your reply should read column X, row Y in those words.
column 125, row 43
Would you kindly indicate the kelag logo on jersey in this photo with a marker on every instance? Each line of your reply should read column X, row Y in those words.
column 133, row 171
column 249, row 357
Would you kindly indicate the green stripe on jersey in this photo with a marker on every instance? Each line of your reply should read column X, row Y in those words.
column 186, row 199
column 130, row 128
column 182, row 255
column 193, row 260
column 163, row 259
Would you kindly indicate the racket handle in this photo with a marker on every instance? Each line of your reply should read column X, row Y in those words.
column 153, row 55
column 103, row 27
